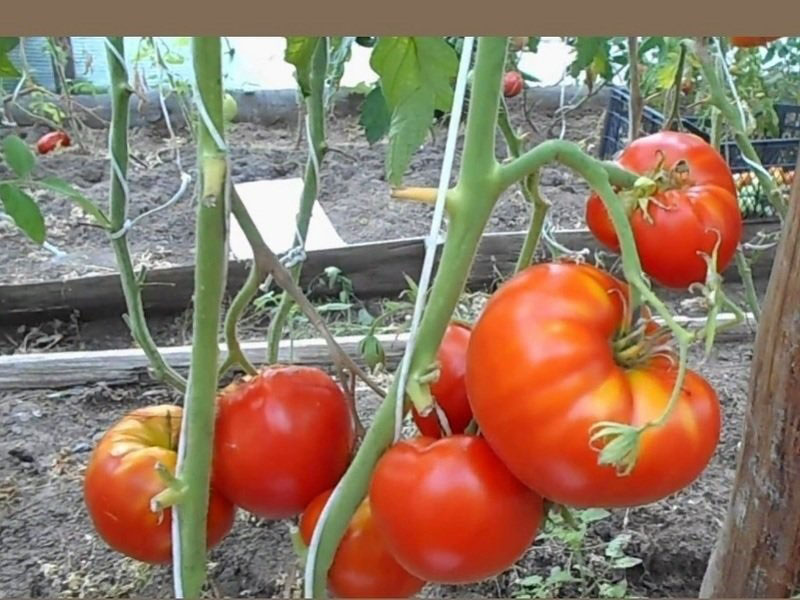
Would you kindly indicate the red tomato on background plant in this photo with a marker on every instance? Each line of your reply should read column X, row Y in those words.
column 752, row 42
column 689, row 211
column 362, row 566
column 51, row 141
column 512, row 84
column 450, row 511
column 449, row 391
column 121, row 480
column 282, row 437
column 542, row 370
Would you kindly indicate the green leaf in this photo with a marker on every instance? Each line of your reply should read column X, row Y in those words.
column 613, row 590
column 650, row 43
column 24, row 210
column 626, row 562
column 18, row 156
column 372, row 351
column 299, row 52
column 7, row 68
column 416, row 76
column 533, row 42
column 615, row 548
column 62, row 187
column 339, row 52
column 7, row 44
column 375, row 116
column 410, row 123
column 590, row 515
column 406, row 64
column 587, row 48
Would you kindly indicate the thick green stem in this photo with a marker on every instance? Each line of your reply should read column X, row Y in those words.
column 315, row 111
column 118, row 213
column 472, row 202
column 540, row 208
column 235, row 310
column 194, row 464
column 735, row 119
column 716, row 128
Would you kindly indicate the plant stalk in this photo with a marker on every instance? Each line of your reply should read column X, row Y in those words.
column 118, row 214
column 315, row 114
column 472, row 202
column 197, row 433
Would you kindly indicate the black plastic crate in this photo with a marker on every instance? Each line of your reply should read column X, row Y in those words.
column 778, row 152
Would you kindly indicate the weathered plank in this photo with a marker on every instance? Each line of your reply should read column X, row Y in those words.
column 375, row 269
column 56, row 370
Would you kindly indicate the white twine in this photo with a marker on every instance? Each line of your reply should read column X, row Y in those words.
column 430, row 251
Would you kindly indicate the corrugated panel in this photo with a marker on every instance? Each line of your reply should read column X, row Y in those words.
column 39, row 63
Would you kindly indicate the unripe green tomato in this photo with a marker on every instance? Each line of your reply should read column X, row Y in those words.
column 229, row 108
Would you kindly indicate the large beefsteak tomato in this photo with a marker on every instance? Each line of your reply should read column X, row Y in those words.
column 121, row 479
column 542, row 370
column 693, row 207
column 449, row 390
column 282, row 437
column 450, row 511
column 362, row 566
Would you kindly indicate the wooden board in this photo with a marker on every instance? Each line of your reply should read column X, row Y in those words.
column 375, row 269
column 57, row 370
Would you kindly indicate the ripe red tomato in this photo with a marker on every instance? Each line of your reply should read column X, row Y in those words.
column 449, row 391
column 450, row 511
column 541, row 372
column 752, row 42
column 282, row 437
column 362, row 566
column 121, row 480
column 50, row 141
column 688, row 211
column 512, row 84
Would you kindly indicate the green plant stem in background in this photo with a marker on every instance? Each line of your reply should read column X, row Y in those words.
column 197, row 434
column 315, row 110
column 118, row 212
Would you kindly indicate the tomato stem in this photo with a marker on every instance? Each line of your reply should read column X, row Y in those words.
column 315, row 119
column 197, row 430
column 118, row 212
column 470, row 203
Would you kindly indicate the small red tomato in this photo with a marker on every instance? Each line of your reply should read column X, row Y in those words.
column 450, row 511
column 51, row 141
column 362, row 566
column 450, row 390
column 282, row 437
column 512, row 84
column 121, row 479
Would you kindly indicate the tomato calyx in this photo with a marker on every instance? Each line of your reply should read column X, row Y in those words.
column 648, row 187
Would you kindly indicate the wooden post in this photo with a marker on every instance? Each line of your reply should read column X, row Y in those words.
column 758, row 551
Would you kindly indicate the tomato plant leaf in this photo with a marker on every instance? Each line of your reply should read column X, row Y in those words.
column 63, row 187
column 24, row 211
column 416, row 78
column 18, row 156
column 8, row 43
column 339, row 52
column 586, row 49
column 7, row 68
column 375, row 116
column 410, row 123
column 626, row 562
column 299, row 52
column 649, row 43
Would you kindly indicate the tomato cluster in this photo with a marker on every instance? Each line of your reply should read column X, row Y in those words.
column 557, row 349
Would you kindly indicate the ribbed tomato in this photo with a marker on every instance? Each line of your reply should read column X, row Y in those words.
column 449, row 390
column 121, row 480
column 362, row 566
column 450, row 511
column 752, row 42
column 542, row 370
column 282, row 437
column 688, row 213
